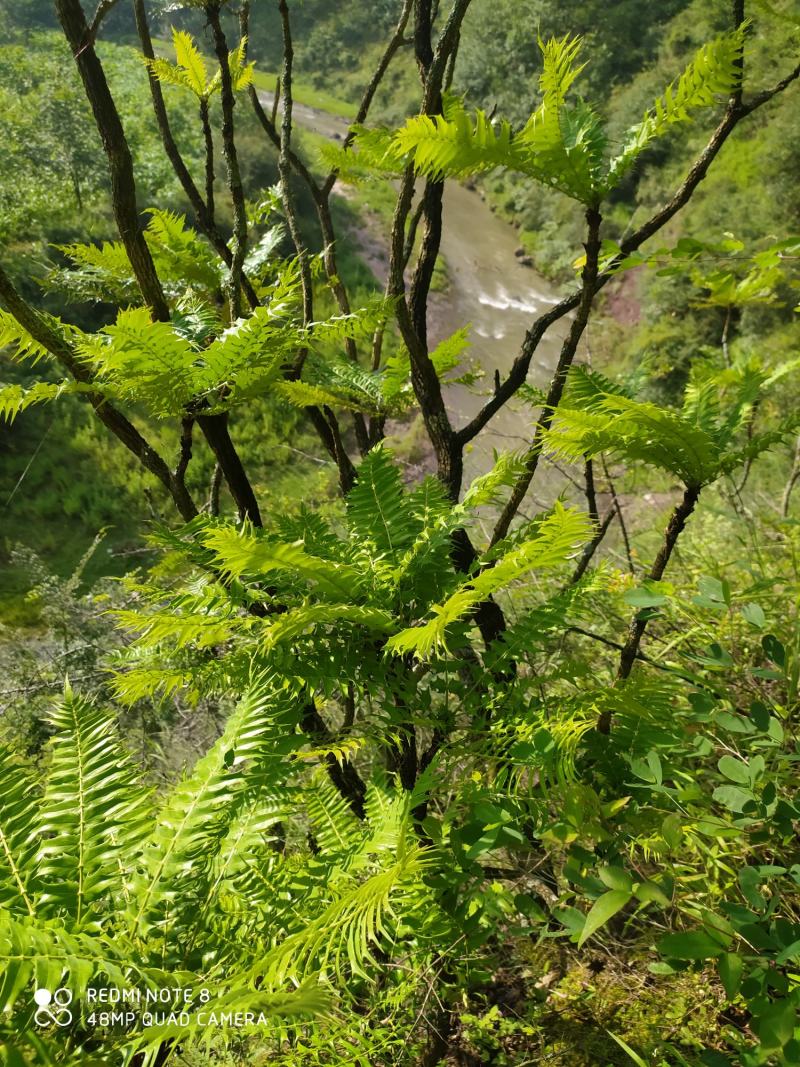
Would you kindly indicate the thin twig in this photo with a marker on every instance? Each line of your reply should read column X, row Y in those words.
column 623, row 527
column 228, row 101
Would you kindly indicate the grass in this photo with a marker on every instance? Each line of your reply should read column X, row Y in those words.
column 306, row 94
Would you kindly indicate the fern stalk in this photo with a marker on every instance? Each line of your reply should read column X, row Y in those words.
column 638, row 625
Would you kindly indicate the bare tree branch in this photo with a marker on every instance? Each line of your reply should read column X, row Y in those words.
column 123, row 186
column 565, row 359
column 124, row 430
column 101, row 11
column 204, row 219
column 601, row 529
column 228, row 101
column 630, row 649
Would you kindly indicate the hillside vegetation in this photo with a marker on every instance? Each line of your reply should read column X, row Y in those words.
column 330, row 732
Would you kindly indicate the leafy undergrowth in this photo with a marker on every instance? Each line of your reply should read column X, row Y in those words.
column 555, row 1007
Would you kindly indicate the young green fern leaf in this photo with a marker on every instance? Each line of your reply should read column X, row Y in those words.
column 341, row 938
column 184, row 261
column 241, row 554
column 36, row 954
column 562, row 145
column 93, row 812
column 18, row 844
column 565, row 145
column 558, row 536
column 297, row 621
column 20, row 344
column 696, row 444
column 458, row 146
column 189, row 71
column 378, row 506
column 16, row 398
column 196, row 817
column 714, row 72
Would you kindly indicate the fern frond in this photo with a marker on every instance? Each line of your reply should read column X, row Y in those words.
column 396, row 373
column 297, row 621
column 18, row 845
column 19, row 341
column 311, row 528
column 241, row 70
column 183, row 628
column 336, row 829
column 37, row 955
column 506, row 470
column 377, row 505
column 306, row 395
column 146, row 361
column 375, row 152
column 16, row 398
column 190, row 61
column 350, row 928
column 264, row 252
column 565, row 145
column 248, row 356
column 343, row 749
column 97, row 272
column 310, row 1000
column 169, row 73
column 196, row 816
column 635, row 430
column 349, row 379
column 182, row 256
column 585, row 384
column 196, row 321
column 356, row 324
column 713, row 72
column 558, row 536
column 243, row 553
column 457, row 146
column 92, row 813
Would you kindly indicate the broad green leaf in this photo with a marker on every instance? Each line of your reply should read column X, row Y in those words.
column 616, row 878
column 652, row 893
column 732, row 797
column 734, row 770
column 691, row 945
column 603, row 909
column 730, row 967
column 754, row 614
column 644, row 598
column 775, row 1025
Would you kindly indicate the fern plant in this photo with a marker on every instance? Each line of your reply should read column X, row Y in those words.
column 417, row 759
column 562, row 145
column 699, row 443
column 105, row 885
column 190, row 70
